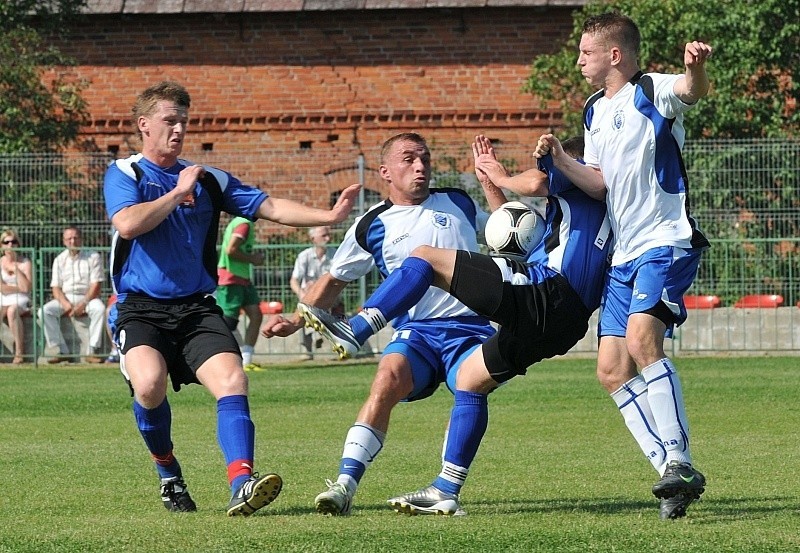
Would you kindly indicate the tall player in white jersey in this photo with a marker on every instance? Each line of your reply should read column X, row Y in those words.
column 634, row 134
column 434, row 336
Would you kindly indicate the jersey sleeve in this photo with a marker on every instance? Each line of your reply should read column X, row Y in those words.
column 119, row 190
column 590, row 156
column 666, row 101
column 239, row 198
column 557, row 181
column 351, row 261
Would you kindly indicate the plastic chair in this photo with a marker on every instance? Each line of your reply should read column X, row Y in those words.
column 760, row 300
column 701, row 302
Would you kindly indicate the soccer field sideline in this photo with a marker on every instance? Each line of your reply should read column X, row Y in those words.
column 557, row 470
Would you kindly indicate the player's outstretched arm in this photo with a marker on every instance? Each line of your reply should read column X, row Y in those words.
column 528, row 183
column 482, row 150
column 586, row 178
column 295, row 214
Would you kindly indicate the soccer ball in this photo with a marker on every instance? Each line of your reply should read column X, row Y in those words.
column 513, row 230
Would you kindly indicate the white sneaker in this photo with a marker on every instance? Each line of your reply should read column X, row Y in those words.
column 337, row 501
column 336, row 330
column 428, row 501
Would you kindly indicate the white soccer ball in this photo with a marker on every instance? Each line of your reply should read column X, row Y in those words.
column 513, row 230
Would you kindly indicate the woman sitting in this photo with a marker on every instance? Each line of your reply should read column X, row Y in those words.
column 15, row 290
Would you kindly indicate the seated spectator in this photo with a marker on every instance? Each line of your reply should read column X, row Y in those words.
column 311, row 264
column 77, row 277
column 15, row 290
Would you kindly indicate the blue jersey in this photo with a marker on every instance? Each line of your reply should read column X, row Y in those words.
column 178, row 257
column 577, row 239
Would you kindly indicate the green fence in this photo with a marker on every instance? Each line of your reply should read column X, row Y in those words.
column 745, row 194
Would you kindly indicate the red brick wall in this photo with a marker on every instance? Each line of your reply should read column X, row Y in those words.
column 262, row 83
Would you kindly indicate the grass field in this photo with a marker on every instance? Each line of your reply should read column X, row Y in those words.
column 557, row 470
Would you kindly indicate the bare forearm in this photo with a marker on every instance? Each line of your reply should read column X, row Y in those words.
column 494, row 195
column 693, row 86
column 586, row 178
column 139, row 219
column 528, row 183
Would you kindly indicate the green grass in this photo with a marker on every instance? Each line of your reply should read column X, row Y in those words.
column 557, row 470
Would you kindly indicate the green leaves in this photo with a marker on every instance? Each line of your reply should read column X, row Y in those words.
column 41, row 108
column 754, row 70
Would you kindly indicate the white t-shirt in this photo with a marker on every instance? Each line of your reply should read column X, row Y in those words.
column 636, row 143
column 308, row 267
column 74, row 274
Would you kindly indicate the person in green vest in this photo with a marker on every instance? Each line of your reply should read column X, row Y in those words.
column 235, row 290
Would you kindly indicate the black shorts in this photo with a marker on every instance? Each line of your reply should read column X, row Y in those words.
column 537, row 321
column 186, row 332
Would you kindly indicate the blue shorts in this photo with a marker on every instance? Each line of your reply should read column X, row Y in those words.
column 435, row 349
column 654, row 282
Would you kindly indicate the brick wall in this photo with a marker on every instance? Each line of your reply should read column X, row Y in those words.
column 293, row 96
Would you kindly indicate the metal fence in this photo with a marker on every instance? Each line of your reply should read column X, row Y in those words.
column 745, row 194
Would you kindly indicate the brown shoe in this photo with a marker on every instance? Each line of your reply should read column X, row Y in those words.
column 56, row 360
column 93, row 359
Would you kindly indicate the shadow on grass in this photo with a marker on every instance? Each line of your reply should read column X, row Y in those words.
column 703, row 511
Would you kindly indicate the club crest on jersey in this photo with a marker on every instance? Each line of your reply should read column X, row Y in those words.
column 441, row 220
column 619, row 120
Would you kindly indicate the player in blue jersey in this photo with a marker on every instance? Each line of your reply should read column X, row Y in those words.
column 542, row 306
column 433, row 336
column 165, row 212
column 634, row 135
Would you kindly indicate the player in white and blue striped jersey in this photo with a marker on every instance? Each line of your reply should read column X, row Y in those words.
column 432, row 336
column 542, row 306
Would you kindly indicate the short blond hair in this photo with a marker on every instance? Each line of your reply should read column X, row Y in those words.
column 165, row 90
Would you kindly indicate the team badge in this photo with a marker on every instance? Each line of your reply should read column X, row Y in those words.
column 441, row 220
column 619, row 120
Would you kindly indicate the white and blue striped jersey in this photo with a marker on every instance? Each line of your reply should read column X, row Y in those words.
column 178, row 257
column 577, row 239
column 388, row 233
column 635, row 139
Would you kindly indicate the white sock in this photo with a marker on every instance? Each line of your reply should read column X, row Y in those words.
column 247, row 354
column 362, row 444
column 666, row 402
column 631, row 399
column 375, row 319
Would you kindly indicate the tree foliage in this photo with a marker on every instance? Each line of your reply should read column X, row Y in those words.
column 754, row 69
column 35, row 115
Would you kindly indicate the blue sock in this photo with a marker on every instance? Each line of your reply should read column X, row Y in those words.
column 155, row 426
column 468, row 422
column 401, row 291
column 236, row 436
